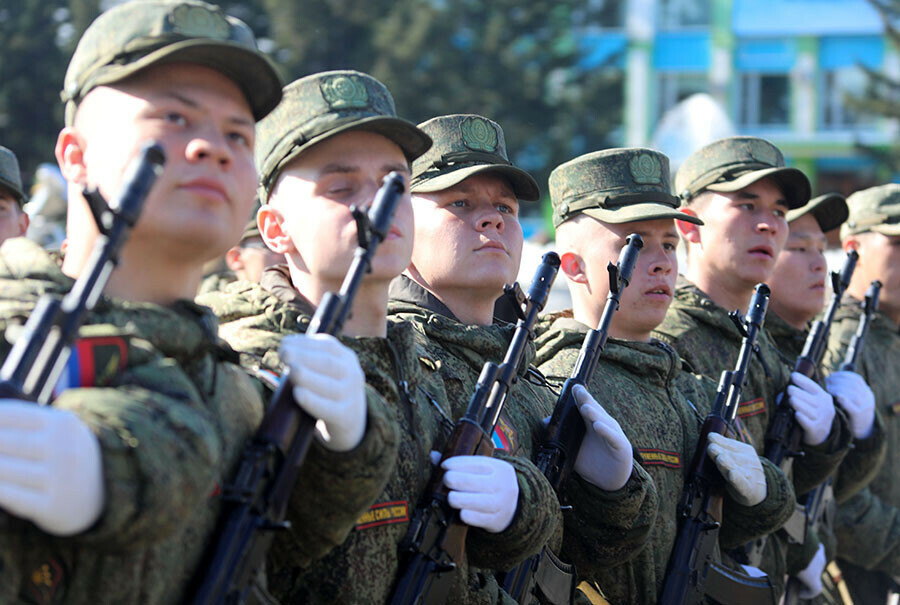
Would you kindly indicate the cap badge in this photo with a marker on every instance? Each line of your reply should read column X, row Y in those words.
column 478, row 134
column 646, row 169
column 197, row 21
column 344, row 92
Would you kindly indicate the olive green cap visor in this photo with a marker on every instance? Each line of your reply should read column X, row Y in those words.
column 523, row 184
column 830, row 211
column 792, row 182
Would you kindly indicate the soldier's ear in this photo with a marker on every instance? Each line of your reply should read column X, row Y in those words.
column 689, row 231
column 70, row 155
column 271, row 227
column 233, row 259
column 573, row 267
column 850, row 243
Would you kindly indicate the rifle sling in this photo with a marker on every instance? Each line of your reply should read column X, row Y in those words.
column 731, row 587
column 555, row 579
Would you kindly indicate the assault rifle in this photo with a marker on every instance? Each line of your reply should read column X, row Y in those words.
column 784, row 433
column 255, row 503
column 869, row 307
column 436, row 541
column 820, row 508
column 38, row 357
column 544, row 576
column 693, row 576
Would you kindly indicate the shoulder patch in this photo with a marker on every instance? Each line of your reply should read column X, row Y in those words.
column 93, row 362
column 753, row 407
column 384, row 513
column 657, row 457
column 505, row 437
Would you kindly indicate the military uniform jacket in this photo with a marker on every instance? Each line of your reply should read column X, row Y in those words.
column 171, row 416
column 868, row 524
column 364, row 562
column 704, row 336
column 661, row 408
column 864, row 460
column 612, row 526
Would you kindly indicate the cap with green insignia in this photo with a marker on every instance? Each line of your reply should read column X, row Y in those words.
column 464, row 145
column 830, row 211
column 137, row 34
column 326, row 104
column 729, row 165
column 615, row 186
column 10, row 177
column 874, row 209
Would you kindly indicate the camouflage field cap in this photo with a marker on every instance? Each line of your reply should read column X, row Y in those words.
column 326, row 104
column 10, row 177
column 731, row 164
column 251, row 229
column 830, row 211
column 137, row 34
column 874, row 209
column 615, row 186
column 464, row 145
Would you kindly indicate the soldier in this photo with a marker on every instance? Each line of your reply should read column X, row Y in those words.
column 468, row 243
column 742, row 190
column 327, row 147
column 111, row 489
column 598, row 200
column 868, row 524
column 798, row 294
column 13, row 220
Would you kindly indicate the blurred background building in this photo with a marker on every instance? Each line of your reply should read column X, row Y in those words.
column 780, row 69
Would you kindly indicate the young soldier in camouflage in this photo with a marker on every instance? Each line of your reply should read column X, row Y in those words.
column 119, row 475
column 868, row 525
column 741, row 190
column 328, row 146
column 598, row 200
column 798, row 294
column 13, row 220
column 467, row 246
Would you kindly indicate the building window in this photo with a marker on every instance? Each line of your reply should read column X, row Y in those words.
column 675, row 14
column 675, row 87
column 836, row 85
column 765, row 100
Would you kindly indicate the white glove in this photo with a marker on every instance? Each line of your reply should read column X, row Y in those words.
column 51, row 469
column 329, row 385
column 854, row 395
column 484, row 489
column 814, row 408
column 811, row 577
column 605, row 455
column 740, row 466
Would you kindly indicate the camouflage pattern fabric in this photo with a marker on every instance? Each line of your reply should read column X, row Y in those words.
column 706, row 339
column 216, row 281
column 363, row 566
column 10, row 176
column 614, row 525
column 171, row 416
column 864, row 460
column 868, row 525
column 661, row 408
